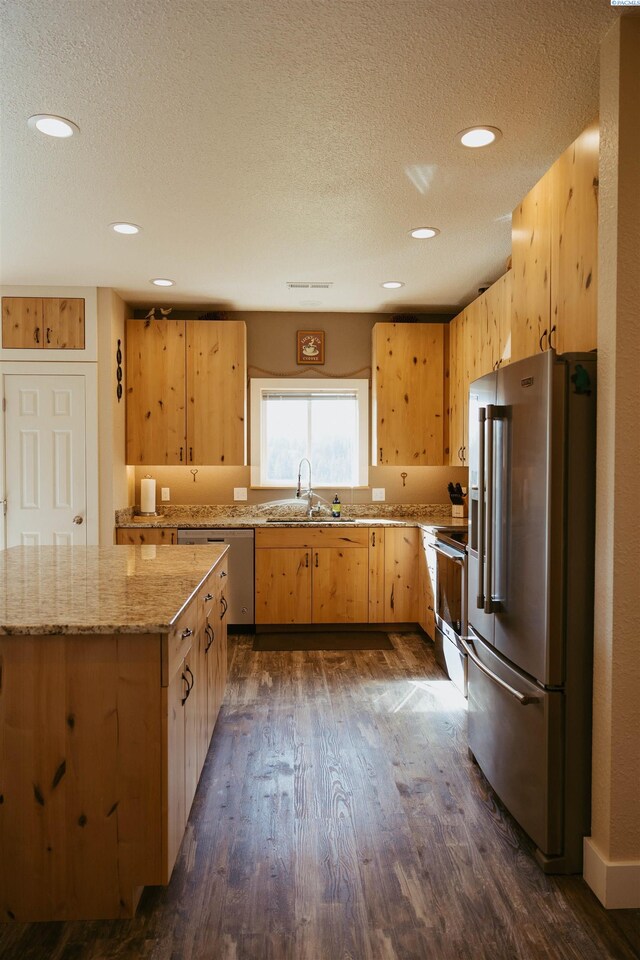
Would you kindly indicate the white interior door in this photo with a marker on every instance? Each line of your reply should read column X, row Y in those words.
column 45, row 444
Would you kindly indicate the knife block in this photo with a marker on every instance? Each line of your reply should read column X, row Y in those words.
column 458, row 510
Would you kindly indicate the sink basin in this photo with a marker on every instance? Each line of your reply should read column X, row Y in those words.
column 316, row 520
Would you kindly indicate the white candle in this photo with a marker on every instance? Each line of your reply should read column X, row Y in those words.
column 148, row 495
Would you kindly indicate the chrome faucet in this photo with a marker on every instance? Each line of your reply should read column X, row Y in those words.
column 309, row 494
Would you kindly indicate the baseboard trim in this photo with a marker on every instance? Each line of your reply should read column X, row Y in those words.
column 616, row 883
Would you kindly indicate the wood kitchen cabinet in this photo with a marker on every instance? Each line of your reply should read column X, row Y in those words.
column 186, row 392
column 376, row 574
column 50, row 323
column 312, row 575
column 148, row 535
column 555, row 250
column 402, row 575
column 408, row 394
column 427, row 582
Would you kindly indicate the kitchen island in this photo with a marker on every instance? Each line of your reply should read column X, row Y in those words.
column 112, row 672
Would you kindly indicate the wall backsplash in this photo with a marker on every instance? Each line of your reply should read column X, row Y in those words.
column 215, row 485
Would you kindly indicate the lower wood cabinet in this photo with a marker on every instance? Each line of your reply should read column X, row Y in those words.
column 157, row 535
column 401, row 575
column 427, row 564
column 312, row 575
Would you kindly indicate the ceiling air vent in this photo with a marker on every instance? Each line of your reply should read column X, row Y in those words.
column 308, row 285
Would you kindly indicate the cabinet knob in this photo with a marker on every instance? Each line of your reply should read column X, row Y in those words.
column 208, row 597
column 187, row 632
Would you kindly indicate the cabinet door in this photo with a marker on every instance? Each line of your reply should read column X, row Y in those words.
column 427, row 619
column 22, row 323
column 283, row 585
column 376, row 575
column 457, row 395
column 402, row 577
column 340, row 585
column 155, row 375
column 157, row 535
column 531, row 257
column 408, row 394
column 190, row 706
column 574, row 245
column 63, row 321
column 176, row 815
column 221, row 642
column 504, row 317
column 216, row 392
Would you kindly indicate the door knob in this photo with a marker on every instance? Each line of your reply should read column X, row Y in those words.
column 77, row 519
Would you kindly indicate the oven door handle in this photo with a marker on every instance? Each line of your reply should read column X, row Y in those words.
column 523, row 698
column 450, row 554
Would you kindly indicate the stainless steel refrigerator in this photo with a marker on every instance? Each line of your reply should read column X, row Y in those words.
column 530, row 595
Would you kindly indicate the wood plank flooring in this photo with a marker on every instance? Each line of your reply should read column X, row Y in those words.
column 339, row 818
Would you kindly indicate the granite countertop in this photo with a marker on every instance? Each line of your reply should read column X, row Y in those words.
column 123, row 589
column 203, row 516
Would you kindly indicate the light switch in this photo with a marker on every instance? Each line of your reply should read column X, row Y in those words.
column 377, row 493
column 165, row 493
column 239, row 493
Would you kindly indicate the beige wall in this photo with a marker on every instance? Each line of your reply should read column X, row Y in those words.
column 116, row 479
column 612, row 854
column 271, row 351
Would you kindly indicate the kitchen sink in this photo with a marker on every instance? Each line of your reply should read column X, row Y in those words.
column 316, row 520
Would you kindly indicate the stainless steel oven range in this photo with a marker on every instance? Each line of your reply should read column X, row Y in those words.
column 451, row 603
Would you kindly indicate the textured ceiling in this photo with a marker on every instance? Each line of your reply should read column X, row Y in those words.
column 265, row 141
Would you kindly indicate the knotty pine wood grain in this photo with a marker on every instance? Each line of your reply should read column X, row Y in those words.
column 339, row 816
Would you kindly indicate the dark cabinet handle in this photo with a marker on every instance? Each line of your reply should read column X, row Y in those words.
column 381, row 453
column 373, row 538
column 172, row 537
column 316, row 560
column 542, row 338
column 188, row 690
column 36, row 334
column 181, row 454
column 47, row 334
column 306, row 559
column 552, row 346
column 209, row 632
column 193, row 679
column 187, row 632
column 190, row 454
column 225, row 606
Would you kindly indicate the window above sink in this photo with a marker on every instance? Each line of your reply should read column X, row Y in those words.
column 324, row 420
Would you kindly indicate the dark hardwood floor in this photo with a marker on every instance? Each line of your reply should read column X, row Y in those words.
column 339, row 818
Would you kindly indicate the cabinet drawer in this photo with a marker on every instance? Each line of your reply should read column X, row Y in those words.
column 347, row 536
column 176, row 644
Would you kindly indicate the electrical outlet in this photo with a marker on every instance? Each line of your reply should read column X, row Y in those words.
column 165, row 493
column 239, row 493
column 377, row 493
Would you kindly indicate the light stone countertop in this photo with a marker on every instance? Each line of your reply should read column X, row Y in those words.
column 203, row 516
column 84, row 590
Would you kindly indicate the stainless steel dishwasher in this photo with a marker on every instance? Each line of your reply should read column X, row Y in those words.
column 240, row 587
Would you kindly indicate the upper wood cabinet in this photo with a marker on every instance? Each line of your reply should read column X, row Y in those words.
column 408, row 390
column 34, row 323
column 531, row 255
column 574, row 245
column 555, row 249
column 186, row 392
column 216, row 391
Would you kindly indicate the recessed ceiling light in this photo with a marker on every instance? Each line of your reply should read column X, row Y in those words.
column 392, row 284
column 52, row 126
column 479, row 136
column 424, row 233
column 163, row 282
column 126, row 228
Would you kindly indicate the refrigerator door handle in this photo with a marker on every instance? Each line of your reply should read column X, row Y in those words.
column 523, row 698
column 482, row 413
column 488, row 570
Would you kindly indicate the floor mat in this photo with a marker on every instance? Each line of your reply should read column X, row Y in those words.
column 329, row 640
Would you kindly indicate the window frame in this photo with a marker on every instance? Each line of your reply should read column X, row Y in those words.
column 259, row 385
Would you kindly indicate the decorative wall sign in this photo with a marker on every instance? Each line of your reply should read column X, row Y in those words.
column 310, row 346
